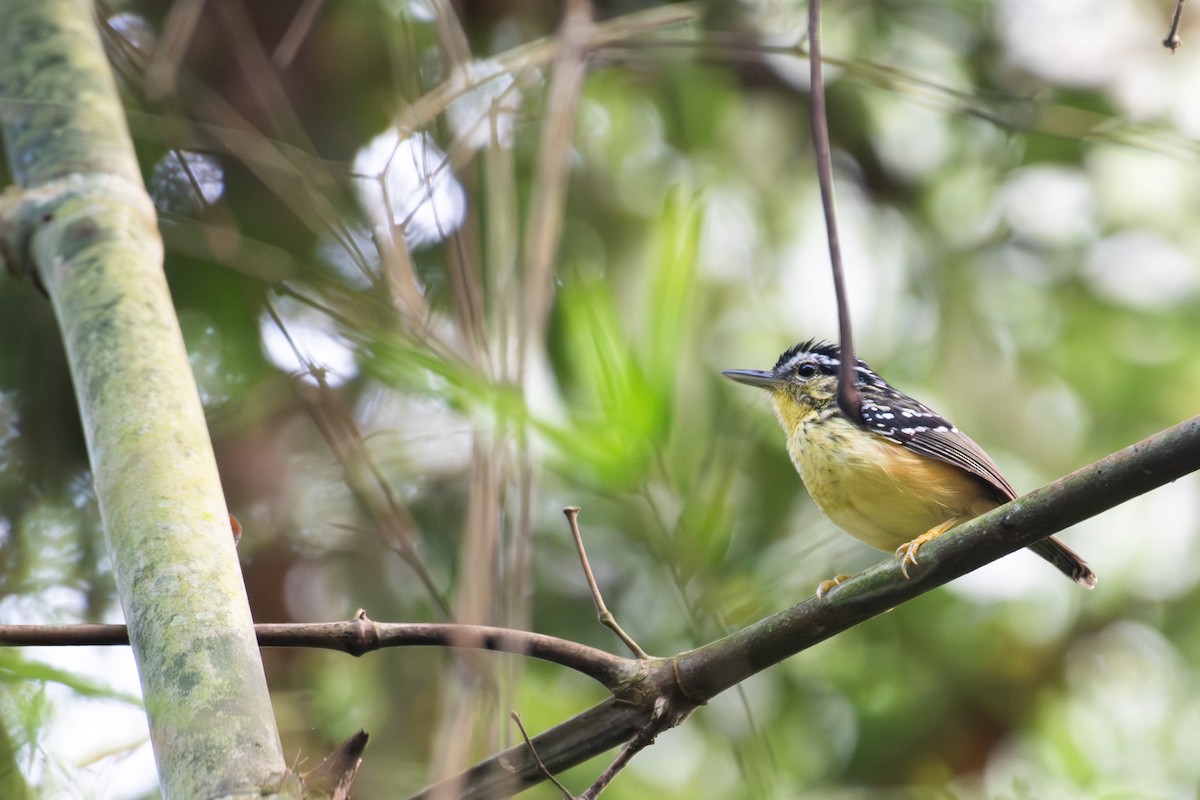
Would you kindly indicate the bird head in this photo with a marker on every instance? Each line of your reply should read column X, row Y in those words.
column 804, row 377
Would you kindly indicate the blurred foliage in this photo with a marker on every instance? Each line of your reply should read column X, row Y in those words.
column 1017, row 184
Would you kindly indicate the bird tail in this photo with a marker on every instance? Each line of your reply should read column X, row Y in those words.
column 1067, row 561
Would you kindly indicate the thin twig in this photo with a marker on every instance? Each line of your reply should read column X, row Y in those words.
column 178, row 28
column 848, row 396
column 606, row 617
column 538, row 759
column 619, row 763
column 538, row 54
column 1173, row 41
column 301, row 25
column 1003, row 110
column 362, row 635
column 644, row 738
column 548, row 199
column 345, row 442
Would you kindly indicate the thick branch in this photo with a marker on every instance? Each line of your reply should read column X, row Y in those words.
column 1137, row 469
column 703, row 673
column 600, row 728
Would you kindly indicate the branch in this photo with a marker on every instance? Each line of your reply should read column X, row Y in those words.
column 364, row 635
column 548, row 200
column 331, row 779
column 600, row 728
column 666, row 715
column 537, row 55
column 643, row 689
column 1173, row 42
column 602, row 613
column 566, row 793
column 699, row 675
column 849, row 398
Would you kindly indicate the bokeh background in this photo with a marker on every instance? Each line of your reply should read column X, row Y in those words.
column 416, row 345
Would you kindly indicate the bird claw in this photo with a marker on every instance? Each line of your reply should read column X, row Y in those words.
column 826, row 586
column 906, row 553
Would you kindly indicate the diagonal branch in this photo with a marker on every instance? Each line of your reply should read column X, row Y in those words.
column 1137, row 469
column 643, row 688
column 699, row 675
column 605, row 616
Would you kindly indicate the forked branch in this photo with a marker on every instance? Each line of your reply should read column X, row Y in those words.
column 699, row 675
column 685, row 681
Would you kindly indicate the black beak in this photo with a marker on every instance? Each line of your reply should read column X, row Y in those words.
column 753, row 377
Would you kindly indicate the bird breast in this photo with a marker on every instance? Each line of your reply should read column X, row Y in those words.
column 878, row 491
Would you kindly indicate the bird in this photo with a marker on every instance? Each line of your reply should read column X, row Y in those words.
column 897, row 476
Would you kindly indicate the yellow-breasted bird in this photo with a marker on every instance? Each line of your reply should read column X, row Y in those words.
column 897, row 477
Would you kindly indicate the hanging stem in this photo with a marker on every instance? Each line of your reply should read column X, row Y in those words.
column 848, row 396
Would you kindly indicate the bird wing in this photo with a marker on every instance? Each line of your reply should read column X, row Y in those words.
column 956, row 448
column 916, row 427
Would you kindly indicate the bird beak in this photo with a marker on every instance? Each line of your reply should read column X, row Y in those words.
column 753, row 377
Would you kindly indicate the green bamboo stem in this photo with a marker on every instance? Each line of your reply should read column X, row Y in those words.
column 83, row 223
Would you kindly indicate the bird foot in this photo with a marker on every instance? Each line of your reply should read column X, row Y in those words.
column 906, row 553
column 825, row 586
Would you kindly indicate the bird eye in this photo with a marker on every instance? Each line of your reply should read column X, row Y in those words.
column 806, row 370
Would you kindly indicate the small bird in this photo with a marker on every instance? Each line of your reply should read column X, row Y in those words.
column 896, row 478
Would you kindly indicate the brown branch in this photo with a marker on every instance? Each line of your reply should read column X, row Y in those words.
column 605, row 616
column 1173, row 41
column 699, row 675
column 643, row 689
column 547, row 204
column 299, row 27
column 667, row 714
column 848, row 396
column 537, row 759
column 331, row 779
column 363, row 635
column 538, row 54
column 374, row 496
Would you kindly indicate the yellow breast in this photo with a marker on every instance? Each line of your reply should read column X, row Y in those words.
column 874, row 489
